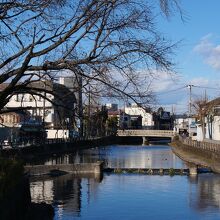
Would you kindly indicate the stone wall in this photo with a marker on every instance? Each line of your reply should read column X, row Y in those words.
column 69, row 168
column 203, row 145
column 199, row 153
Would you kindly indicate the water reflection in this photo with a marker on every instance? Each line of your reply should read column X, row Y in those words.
column 63, row 192
column 141, row 157
column 123, row 157
column 207, row 189
column 130, row 196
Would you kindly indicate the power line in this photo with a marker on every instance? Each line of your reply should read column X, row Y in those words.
column 206, row 87
column 174, row 90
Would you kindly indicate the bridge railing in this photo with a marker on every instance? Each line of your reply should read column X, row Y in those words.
column 162, row 133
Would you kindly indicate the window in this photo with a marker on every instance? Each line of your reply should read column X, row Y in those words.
column 16, row 98
column 31, row 99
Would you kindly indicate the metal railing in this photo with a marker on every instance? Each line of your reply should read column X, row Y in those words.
column 153, row 133
column 203, row 145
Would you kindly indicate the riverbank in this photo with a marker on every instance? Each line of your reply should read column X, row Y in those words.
column 196, row 155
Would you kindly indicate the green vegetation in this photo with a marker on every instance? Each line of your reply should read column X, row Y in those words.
column 112, row 125
column 171, row 172
column 11, row 172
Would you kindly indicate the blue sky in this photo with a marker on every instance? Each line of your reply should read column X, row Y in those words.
column 197, row 56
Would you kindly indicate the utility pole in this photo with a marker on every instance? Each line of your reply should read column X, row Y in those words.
column 190, row 99
column 80, row 106
column 89, row 113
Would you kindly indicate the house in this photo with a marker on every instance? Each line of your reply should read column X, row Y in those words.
column 181, row 124
column 163, row 120
column 141, row 114
column 212, row 121
column 208, row 124
column 56, row 110
column 14, row 119
column 125, row 121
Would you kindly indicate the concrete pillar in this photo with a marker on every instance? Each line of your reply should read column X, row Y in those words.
column 98, row 167
column 161, row 171
column 98, row 171
column 193, row 170
column 98, row 177
column 145, row 141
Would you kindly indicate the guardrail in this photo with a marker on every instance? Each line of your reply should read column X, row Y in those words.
column 145, row 133
column 37, row 142
column 213, row 147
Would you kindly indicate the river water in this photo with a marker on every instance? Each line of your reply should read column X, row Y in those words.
column 129, row 196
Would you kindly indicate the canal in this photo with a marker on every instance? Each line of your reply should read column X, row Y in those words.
column 129, row 196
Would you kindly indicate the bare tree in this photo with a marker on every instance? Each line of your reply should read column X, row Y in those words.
column 204, row 113
column 105, row 41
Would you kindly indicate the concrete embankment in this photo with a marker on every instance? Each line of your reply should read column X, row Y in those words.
column 83, row 168
column 200, row 154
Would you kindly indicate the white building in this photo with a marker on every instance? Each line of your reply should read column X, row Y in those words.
column 212, row 128
column 147, row 118
column 186, row 125
column 181, row 124
column 36, row 105
column 112, row 106
column 56, row 110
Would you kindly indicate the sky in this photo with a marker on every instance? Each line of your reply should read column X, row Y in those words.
column 197, row 56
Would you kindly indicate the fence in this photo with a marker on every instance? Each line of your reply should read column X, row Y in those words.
column 204, row 145
column 153, row 133
column 37, row 142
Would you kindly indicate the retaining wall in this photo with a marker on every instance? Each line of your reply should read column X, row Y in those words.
column 203, row 145
column 84, row 168
column 199, row 153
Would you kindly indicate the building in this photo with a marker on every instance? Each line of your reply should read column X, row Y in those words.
column 163, row 120
column 112, row 107
column 14, row 119
column 141, row 114
column 208, row 124
column 181, row 124
column 212, row 121
column 54, row 106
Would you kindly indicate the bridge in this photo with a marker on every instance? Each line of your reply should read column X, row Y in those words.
column 145, row 134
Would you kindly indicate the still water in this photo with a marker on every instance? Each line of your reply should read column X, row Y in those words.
column 129, row 196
